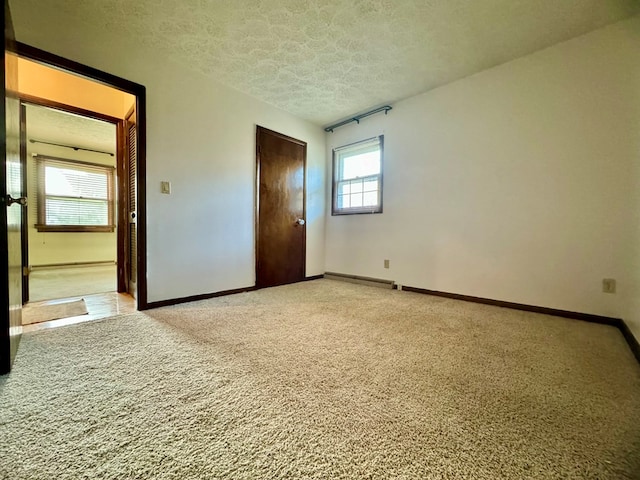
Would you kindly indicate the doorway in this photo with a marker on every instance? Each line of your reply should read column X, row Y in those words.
column 281, row 202
column 70, row 173
column 101, row 255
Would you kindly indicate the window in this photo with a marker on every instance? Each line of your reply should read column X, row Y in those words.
column 357, row 177
column 74, row 196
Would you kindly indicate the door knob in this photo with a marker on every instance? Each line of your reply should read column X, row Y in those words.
column 300, row 221
column 21, row 200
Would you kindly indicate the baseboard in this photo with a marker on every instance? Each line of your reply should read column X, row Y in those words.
column 586, row 317
column 206, row 296
column 313, row 277
column 632, row 341
column 195, row 298
column 72, row 264
column 372, row 282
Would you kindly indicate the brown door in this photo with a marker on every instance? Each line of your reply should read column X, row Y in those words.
column 128, row 210
column 25, row 209
column 11, row 203
column 281, row 229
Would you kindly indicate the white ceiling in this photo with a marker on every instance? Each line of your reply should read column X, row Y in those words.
column 54, row 126
column 323, row 60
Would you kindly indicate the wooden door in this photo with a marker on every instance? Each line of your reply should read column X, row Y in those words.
column 132, row 200
column 11, row 202
column 25, row 210
column 127, row 205
column 281, row 229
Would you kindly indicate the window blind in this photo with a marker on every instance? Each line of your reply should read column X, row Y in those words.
column 74, row 195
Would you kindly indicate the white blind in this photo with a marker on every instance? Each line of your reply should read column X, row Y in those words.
column 74, row 193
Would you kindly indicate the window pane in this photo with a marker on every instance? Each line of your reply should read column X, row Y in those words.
column 370, row 199
column 70, row 182
column 357, row 177
column 356, row 200
column 361, row 165
column 371, row 185
column 71, row 211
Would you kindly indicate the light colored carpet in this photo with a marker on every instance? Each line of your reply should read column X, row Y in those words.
column 65, row 282
column 36, row 313
column 323, row 379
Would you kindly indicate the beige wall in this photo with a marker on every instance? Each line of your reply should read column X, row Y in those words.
column 51, row 248
column 43, row 82
column 520, row 183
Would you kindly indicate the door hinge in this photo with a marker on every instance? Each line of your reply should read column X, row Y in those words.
column 26, row 271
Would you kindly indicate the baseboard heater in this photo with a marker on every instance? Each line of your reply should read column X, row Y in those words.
column 372, row 282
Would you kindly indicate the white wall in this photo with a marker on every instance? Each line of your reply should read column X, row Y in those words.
column 520, row 183
column 201, row 138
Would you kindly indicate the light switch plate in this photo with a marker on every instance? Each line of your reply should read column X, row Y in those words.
column 609, row 285
column 165, row 187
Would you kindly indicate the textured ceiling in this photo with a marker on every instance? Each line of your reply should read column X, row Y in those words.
column 54, row 126
column 323, row 60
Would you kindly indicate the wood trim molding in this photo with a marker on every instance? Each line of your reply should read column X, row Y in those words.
column 632, row 341
column 223, row 293
column 46, row 58
column 518, row 306
column 65, row 107
column 313, row 277
column 195, row 298
column 586, row 317
column 206, row 296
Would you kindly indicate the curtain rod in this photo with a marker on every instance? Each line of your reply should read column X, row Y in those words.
column 71, row 146
column 357, row 118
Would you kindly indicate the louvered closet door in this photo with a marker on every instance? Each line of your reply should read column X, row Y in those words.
column 133, row 205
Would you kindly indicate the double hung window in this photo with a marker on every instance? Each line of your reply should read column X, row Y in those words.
column 74, row 196
column 357, row 177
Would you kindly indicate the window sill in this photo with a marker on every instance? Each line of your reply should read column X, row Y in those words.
column 356, row 211
column 76, row 228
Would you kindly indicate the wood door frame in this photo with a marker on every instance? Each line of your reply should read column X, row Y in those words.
column 63, row 107
column 139, row 92
column 24, row 237
column 257, row 196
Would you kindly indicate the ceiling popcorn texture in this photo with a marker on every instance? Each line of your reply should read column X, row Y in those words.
column 54, row 126
column 323, row 60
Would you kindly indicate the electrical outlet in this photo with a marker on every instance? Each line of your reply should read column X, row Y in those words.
column 165, row 187
column 609, row 285
column 386, row 264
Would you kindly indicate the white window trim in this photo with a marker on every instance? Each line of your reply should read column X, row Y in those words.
column 374, row 143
